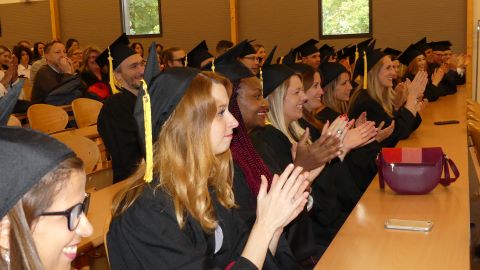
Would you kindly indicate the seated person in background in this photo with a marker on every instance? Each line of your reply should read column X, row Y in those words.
column 222, row 47
column 25, row 43
column 75, row 54
column 37, row 51
column 72, row 43
column 309, row 53
column 173, row 57
column 116, row 124
column 23, row 55
column 93, row 76
column 9, row 81
column 138, row 48
column 43, row 216
column 261, row 52
column 58, row 69
column 186, row 217
column 248, row 57
column 5, row 57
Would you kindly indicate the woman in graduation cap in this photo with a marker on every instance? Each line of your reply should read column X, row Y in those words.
column 377, row 97
column 43, row 202
column 185, row 217
column 415, row 61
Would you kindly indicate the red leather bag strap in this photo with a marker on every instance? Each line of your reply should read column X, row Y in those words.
column 379, row 162
column 447, row 165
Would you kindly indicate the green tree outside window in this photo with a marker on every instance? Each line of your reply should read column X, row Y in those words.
column 141, row 17
column 345, row 17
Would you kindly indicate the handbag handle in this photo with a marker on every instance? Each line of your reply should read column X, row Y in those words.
column 447, row 180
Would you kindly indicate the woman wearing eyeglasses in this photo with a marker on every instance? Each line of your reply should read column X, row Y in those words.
column 173, row 57
column 42, row 201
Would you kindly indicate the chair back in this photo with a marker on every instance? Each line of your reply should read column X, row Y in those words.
column 13, row 121
column 86, row 149
column 47, row 118
column 86, row 111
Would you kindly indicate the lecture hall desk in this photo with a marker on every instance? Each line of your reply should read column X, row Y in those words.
column 363, row 243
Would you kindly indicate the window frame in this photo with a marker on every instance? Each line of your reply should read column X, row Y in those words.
column 363, row 35
column 123, row 3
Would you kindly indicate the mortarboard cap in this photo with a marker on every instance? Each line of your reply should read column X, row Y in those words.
column 273, row 76
column 331, row 71
column 26, row 157
column 198, row 54
column 288, row 59
column 7, row 104
column 119, row 50
column 341, row 54
column 440, row 45
column 248, row 49
column 393, row 52
column 422, row 45
column 409, row 54
column 228, row 65
column 326, row 51
column 151, row 68
column 307, row 48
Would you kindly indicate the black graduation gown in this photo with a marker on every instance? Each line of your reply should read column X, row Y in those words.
column 147, row 236
column 405, row 121
column 274, row 148
column 118, row 129
column 246, row 202
column 432, row 92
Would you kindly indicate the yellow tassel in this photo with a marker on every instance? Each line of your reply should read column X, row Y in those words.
column 147, row 117
column 401, row 69
column 261, row 77
column 365, row 70
column 213, row 65
column 357, row 55
column 186, row 61
column 281, row 60
column 110, row 71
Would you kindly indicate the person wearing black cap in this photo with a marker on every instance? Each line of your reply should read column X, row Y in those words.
column 396, row 65
column 327, row 53
column 116, row 124
column 184, row 216
column 377, row 96
column 309, row 53
column 43, row 216
column 58, row 69
column 415, row 61
column 199, row 56
column 249, row 58
column 222, row 47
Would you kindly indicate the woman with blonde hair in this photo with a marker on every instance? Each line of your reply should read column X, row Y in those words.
column 377, row 97
column 186, row 218
column 93, row 76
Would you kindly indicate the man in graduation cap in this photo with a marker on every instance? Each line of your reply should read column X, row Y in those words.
column 309, row 53
column 248, row 57
column 116, row 124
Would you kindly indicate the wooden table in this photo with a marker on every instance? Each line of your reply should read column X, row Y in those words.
column 363, row 243
column 99, row 214
column 90, row 132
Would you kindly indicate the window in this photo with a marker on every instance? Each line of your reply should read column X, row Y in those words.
column 345, row 18
column 141, row 17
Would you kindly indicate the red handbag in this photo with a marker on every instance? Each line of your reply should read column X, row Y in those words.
column 415, row 170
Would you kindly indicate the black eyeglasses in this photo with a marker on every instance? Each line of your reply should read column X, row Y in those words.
column 73, row 213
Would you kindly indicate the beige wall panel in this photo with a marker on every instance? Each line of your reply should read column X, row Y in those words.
column 395, row 23
column 184, row 23
column 30, row 21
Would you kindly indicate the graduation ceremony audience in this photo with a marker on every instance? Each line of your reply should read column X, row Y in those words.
column 230, row 161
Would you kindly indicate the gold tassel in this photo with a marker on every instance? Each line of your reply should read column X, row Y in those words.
column 110, row 71
column 186, row 61
column 147, row 119
column 357, row 55
column 261, row 77
column 365, row 70
column 281, row 60
column 213, row 65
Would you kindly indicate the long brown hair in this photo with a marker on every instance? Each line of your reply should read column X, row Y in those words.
column 184, row 161
column 23, row 252
column 330, row 100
